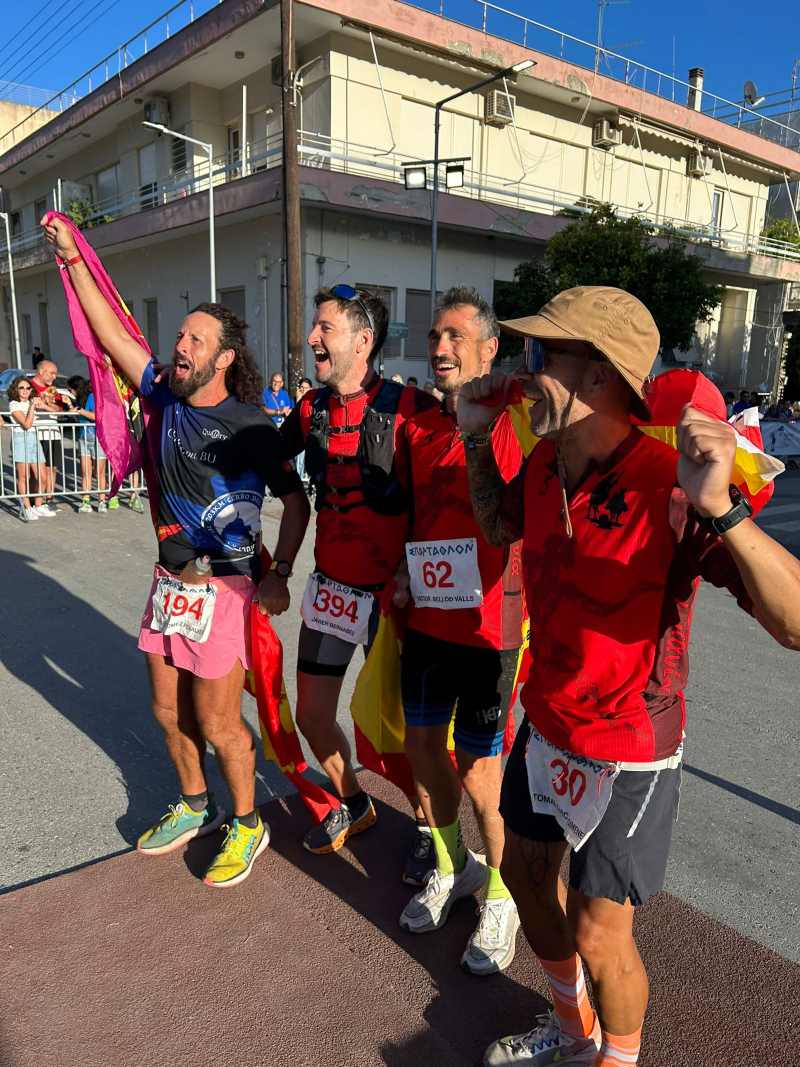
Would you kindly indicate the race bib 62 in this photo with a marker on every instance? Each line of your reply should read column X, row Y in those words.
column 444, row 574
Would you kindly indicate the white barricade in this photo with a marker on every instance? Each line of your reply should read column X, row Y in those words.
column 58, row 457
column 781, row 438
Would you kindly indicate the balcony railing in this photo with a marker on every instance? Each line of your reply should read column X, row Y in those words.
column 511, row 26
column 322, row 152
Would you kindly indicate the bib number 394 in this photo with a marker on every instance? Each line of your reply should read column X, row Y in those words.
column 574, row 789
column 187, row 610
column 445, row 574
column 336, row 609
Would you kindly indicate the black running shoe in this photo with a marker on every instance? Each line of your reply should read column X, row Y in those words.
column 334, row 830
column 421, row 859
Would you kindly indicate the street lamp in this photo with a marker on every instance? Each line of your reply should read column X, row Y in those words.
column 516, row 68
column 161, row 128
column 4, row 217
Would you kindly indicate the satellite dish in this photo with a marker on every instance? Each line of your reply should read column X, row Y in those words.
column 750, row 94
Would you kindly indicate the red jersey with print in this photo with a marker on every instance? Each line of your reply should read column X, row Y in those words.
column 611, row 607
column 355, row 544
column 434, row 463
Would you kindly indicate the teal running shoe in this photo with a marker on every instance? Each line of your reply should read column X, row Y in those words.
column 179, row 825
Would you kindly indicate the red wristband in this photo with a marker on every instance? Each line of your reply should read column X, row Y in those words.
column 73, row 261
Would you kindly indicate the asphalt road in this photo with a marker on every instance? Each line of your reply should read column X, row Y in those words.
column 83, row 766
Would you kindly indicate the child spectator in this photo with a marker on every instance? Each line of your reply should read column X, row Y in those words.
column 91, row 450
column 26, row 452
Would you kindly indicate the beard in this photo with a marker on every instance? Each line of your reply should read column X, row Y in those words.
column 186, row 387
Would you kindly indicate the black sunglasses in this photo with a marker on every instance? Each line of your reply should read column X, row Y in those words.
column 347, row 292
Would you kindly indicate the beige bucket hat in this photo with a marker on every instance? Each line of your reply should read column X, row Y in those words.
column 611, row 320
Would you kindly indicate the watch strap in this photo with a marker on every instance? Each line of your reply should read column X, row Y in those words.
column 281, row 567
column 740, row 510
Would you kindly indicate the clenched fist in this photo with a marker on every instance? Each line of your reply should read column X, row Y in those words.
column 707, row 448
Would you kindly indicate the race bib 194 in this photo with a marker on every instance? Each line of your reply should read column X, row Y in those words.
column 336, row 609
column 182, row 609
column 444, row 574
column 573, row 789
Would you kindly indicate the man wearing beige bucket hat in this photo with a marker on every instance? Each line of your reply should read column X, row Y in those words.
column 617, row 529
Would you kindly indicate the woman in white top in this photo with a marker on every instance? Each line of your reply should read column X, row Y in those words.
column 26, row 451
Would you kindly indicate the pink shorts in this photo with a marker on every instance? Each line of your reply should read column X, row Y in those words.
column 228, row 641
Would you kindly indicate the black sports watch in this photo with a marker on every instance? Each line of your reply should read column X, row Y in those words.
column 741, row 509
column 281, row 567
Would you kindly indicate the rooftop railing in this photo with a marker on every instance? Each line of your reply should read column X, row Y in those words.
column 520, row 29
column 322, row 152
column 170, row 22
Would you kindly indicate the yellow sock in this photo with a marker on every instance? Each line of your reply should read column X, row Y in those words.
column 451, row 855
column 495, row 886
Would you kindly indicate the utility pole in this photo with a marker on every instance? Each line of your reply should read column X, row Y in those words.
column 291, row 199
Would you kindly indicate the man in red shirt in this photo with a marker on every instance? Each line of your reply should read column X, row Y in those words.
column 348, row 431
column 617, row 529
column 462, row 639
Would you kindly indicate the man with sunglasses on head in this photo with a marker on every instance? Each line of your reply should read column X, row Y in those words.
column 348, row 431
column 617, row 530
column 462, row 640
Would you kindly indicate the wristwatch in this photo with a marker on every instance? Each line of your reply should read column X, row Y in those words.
column 741, row 509
column 281, row 567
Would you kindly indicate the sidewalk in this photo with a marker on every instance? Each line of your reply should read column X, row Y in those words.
column 132, row 961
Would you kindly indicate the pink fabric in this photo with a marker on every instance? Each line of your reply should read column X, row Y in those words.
column 113, row 429
column 228, row 641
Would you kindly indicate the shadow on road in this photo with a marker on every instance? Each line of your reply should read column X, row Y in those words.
column 775, row 806
column 90, row 671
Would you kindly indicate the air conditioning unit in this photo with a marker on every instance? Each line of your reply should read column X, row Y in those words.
column 605, row 134
column 699, row 164
column 499, row 109
column 156, row 109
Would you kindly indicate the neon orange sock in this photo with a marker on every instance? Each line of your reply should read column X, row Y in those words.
column 568, row 989
column 619, row 1051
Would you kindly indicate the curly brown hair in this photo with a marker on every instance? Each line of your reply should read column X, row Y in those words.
column 242, row 379
column 13, row 389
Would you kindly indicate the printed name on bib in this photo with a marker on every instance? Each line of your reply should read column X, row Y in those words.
column 187, row 610
column 445, row 574
column 336, row 609
column 574, row 789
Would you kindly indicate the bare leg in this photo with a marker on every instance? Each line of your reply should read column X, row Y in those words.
column 530, row 869
column 218, row 710
column 22, row 483
column 101, row 478
column 481, row 777
column 317, row 703
column 172, row 707
column 604, row 939
column 438, row 787
column 86, row 474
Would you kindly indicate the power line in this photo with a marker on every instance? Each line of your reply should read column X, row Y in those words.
column 33, row 18
column 70, row 38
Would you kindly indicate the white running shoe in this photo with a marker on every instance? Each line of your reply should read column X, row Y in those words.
column 491, row 948
column 44, row 512
column 543, row 1045
column 428, row 909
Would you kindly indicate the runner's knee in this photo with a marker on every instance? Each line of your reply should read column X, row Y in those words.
column 530, row 870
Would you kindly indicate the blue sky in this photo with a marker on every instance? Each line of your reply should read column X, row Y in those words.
column 731, row 39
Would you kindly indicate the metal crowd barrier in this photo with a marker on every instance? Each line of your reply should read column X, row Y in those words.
column 64, row 443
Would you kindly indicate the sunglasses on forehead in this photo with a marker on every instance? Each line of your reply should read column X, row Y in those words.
column 347, row 292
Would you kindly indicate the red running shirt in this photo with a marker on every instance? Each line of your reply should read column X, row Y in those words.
column 357, row 545
column 434, row 462
column 611, row 607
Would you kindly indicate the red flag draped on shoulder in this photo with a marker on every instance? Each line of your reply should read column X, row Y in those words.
column 116, row 403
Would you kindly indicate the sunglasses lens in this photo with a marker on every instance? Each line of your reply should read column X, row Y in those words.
column 534, row 355
column 344, row 292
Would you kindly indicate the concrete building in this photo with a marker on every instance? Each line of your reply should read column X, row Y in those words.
column 580, row 127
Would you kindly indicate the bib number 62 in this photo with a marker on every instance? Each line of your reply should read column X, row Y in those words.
column 437, row 575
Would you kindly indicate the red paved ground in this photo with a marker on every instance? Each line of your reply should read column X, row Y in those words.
column 134, row 962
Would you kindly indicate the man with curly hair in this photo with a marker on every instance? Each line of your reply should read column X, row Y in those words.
column 216, row 453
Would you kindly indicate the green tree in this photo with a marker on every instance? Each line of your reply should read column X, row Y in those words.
column 782, row 230
column 603, row 249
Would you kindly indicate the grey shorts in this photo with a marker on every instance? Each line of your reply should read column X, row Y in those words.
column 324, row 654
column 611, row 864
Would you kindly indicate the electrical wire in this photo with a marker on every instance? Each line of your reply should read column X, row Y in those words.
column 37, row 14
column 70, row 39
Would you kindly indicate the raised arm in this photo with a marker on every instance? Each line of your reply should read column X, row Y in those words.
column 498, row 505
column 770, row 574
column 127, row 354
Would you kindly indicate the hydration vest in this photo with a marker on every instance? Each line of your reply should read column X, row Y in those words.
column 379, row 486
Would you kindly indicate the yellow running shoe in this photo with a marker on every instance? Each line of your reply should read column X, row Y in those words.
column 234, row 861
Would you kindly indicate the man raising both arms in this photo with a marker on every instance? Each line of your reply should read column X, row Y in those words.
column 462, row 639
column 617, row 529
column 348, row 430
column 217, row 452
